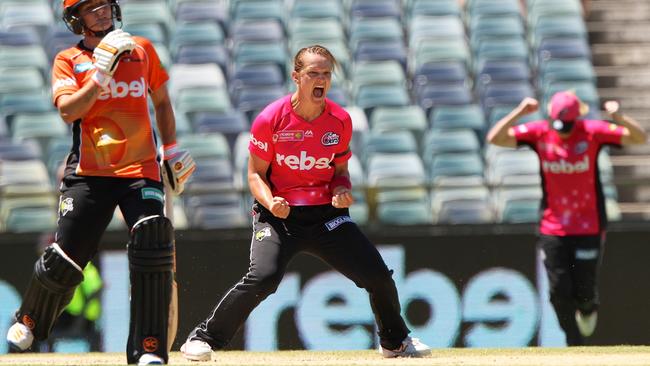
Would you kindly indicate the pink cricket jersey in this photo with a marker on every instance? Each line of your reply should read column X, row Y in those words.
column 573, row 202
column 302, row 154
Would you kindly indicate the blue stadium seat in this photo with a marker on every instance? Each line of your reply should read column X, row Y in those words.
column 374, row 9
column 199, row 11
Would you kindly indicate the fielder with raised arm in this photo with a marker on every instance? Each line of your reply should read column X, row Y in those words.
column 100, row 87
column 572, row 227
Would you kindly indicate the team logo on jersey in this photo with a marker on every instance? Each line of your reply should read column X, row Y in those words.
column 65, row 206
column 581, row 147
column 564, row 167
column 303, row 162
column 123, row 89
column 329, row 139
column 309, row 133
column 289, row 136
column 263, row 233
column 336, row 222
column 613, row 126
column 84, row 66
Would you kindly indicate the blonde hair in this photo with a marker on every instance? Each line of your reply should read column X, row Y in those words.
column 299, row 64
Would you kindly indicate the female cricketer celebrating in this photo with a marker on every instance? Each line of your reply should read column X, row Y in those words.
column 298, row 175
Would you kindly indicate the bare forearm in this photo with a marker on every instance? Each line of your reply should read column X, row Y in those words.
column 260, row 189
column 498, row 135
column 638, row 134
column 74, row 106
column 166, row 123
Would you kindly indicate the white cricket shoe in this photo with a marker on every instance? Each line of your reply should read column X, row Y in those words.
column 411, row 347
column 150, row 359
column 586, row 323
column 196, row 350
column 20, row 337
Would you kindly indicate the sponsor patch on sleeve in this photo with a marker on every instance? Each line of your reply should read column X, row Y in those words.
column 337, row 221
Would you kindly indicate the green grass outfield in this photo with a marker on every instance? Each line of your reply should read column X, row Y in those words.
column 578, row 356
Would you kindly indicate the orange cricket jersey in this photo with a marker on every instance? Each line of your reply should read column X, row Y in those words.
column 115, row 138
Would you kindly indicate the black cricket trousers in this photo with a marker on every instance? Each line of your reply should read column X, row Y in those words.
column 325, row 232
column 572, row 264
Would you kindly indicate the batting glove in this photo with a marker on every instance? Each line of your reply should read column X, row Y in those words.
column 177, row 166
column 108, row 53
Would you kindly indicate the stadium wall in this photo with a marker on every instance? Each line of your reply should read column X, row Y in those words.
column 479, row 286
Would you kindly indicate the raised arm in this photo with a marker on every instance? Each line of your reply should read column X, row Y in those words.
column 633, row 132
column 501, row 134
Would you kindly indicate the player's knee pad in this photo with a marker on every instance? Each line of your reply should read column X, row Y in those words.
column 49, row 291
column 151, row 258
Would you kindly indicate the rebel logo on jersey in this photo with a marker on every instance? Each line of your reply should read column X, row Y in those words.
column 304, row 161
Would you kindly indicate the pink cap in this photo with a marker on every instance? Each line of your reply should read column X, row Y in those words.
column 565, row 106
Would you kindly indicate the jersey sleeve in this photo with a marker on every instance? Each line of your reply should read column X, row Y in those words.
column 344, row 153
column 63, row 79
column 605, row 132
column 528, row 133
column 156, row 73
column 261, row 139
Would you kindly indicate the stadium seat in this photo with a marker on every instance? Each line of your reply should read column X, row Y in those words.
column 382, row 96
column 442, row 166
column 557, row 26
column 465, row 116
column 256, row 31
column 461, row 205
column 428, row 28
column 317, row 9
column 436, row 95
column 21, row 14
column 255, row 75
column 364, row 74
column 257, row 53
column 432, row 8
column 253, row 99
column 195, row 100
column 514, row 167
column 374, row 9
column 410, row 118
column 562, row 48
column 195, row 34
column 375, row 29
column 395, row 170
column 206, row 146
column 211, row 175
column 19, row 37
column 432, row 51
column 258, row 10
column 438, row 141
column 200, row 11
column 404, row 213
column 20, row 80
column 230, row 123
column 25, row 56
column 195, row 76
column 388, row 142
column 382, row 51
column 204, row 54
column 444, row 72
column 138, row 12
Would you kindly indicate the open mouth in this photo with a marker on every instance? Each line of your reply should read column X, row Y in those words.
column 318, row 92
